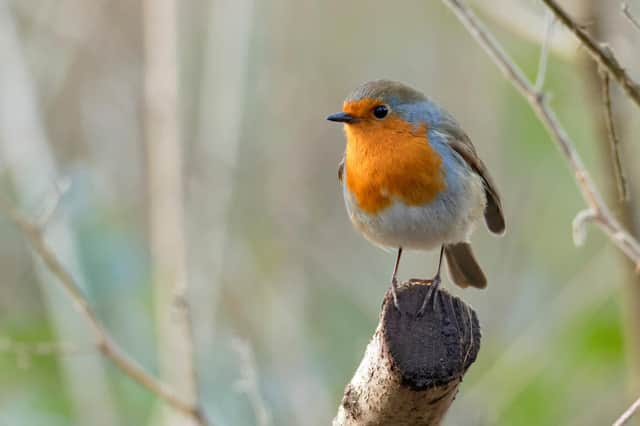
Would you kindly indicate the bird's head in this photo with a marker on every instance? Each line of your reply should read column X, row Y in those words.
column 386, row 105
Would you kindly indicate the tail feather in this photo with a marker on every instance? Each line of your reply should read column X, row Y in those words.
column 463, row 267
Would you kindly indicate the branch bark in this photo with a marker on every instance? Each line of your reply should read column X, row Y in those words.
column 413, row 366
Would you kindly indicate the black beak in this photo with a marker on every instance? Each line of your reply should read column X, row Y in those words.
column 342, row 117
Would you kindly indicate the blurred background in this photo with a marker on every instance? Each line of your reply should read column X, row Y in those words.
column 284, row 293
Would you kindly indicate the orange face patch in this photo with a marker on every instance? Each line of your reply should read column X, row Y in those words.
column 387, row 159
column 361, row 108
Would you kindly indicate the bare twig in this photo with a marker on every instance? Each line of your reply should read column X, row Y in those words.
column 52, row 201
column 104, row 342
column 522, row 20
column 601, row 53
column 595, row 12
column 544, row 52
column 31, row 166
column 624, row 418
column 579, row 222
column 614, row 142
column 602, row 215
column 626, row 11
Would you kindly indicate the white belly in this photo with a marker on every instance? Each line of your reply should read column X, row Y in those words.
column 449, row 218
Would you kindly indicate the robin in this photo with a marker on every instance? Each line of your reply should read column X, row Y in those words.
column 412, row 179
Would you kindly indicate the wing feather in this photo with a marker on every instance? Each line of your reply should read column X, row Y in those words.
column 460, row 143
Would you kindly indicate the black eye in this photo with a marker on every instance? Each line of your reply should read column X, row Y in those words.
column 380, row 111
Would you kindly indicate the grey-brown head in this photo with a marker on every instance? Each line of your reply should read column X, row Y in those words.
column 379, row 98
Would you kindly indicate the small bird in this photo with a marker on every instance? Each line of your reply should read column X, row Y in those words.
column 412, row 179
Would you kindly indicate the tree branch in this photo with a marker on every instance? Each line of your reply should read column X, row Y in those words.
column 624, row 418
column 601, row 214
column 52, row 201
column 597, row 12
column 601, row 53
column 412, row 367
column 544, row 52
column 520, row 19
column 104, row 342
column 31, row 166
column 626, row 11
column 614, row 141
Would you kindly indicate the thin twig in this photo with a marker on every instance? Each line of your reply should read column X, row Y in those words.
column 521, row 19
column 626, row 11
column 578, row 225
column 104, row 342
column 614, row 141
column 624, row 418
column 599, row 52
column 603, row 217
column 52, row 201
column 544, row 52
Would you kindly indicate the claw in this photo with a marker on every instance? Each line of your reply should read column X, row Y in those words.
column 432, row 294
column 394, row 280
column 394, row 287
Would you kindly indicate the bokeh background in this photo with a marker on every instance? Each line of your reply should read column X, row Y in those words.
column 281, row 287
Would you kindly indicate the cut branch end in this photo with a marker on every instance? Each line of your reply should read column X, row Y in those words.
column 414, row 364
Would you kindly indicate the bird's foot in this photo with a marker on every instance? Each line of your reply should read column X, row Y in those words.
column 394, row 288
column 432, row 294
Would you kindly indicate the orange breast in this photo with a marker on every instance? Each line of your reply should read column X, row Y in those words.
column 390, row 159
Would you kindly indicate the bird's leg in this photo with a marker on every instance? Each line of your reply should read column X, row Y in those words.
column 394, row 280
column 432, row 293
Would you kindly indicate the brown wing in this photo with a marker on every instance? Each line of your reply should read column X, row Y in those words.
column 340, row 170
column 460, row 142
column 493, row 214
